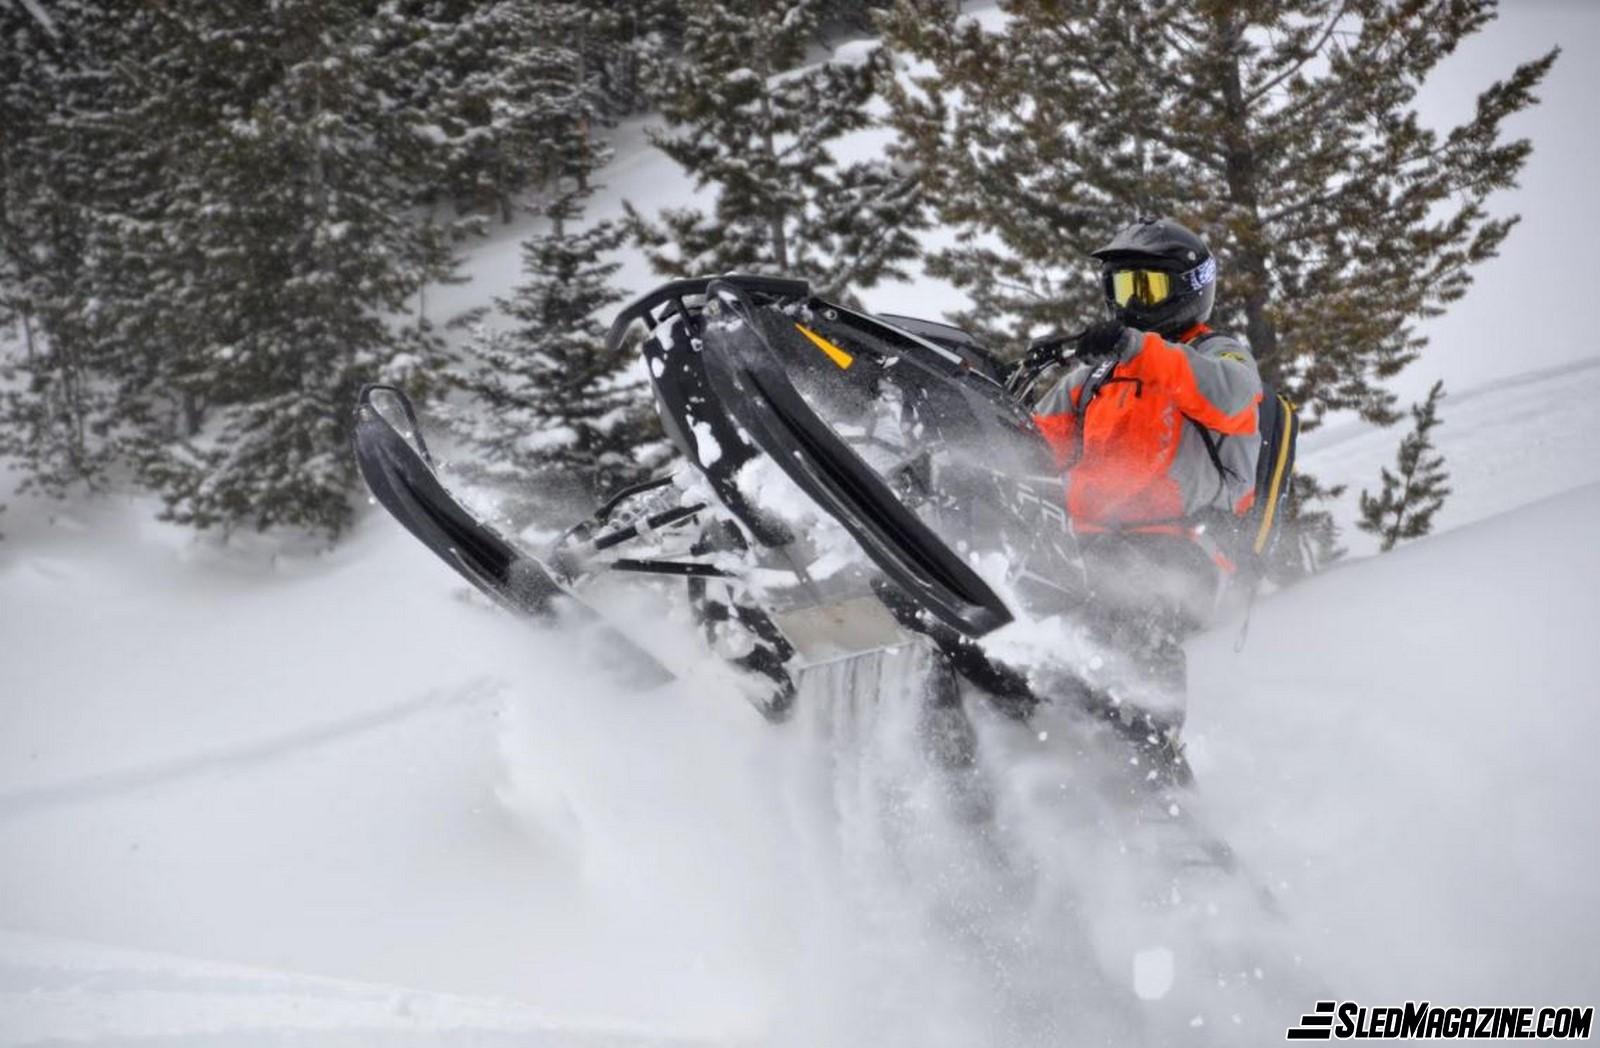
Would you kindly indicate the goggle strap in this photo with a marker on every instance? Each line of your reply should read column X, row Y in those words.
column 1201, row 275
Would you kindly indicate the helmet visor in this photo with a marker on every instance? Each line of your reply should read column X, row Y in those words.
column 1147, row 287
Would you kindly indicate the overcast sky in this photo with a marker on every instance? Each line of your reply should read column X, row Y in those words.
column 1534, row 306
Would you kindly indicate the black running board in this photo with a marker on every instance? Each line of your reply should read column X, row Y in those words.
column 753, row 386
column 399, row 471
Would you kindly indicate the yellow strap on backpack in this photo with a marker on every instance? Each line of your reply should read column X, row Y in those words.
column 1275, row 486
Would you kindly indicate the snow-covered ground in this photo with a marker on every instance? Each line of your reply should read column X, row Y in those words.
column 408, row 819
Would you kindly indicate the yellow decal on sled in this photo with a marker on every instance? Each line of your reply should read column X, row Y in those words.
column 835, row 354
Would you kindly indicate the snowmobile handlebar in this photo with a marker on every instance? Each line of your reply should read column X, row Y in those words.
column 1042, row 354
column 677, row 291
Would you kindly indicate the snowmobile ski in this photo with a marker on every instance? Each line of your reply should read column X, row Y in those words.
column 395, row 463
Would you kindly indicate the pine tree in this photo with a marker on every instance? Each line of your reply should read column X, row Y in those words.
column 851, row 18
column 756, row 130
column 1310, row 540
column 1284, row 131
column 67, row 180
column 295, row 260
column 629, row 45
column 556, row 417
column 499, row 86
column 209, row 215
column 1411, row 495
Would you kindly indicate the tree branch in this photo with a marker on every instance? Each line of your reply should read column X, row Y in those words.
column 1305, row 56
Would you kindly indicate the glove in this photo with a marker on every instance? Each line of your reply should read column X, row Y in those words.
column 1051, row 347
column 1101, row 339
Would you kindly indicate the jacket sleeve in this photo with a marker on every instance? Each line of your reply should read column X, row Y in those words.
column 1216, row 384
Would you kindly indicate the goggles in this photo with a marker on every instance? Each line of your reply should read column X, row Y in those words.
column 1150, row 287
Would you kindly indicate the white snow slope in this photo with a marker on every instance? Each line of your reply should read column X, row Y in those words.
column 257, row 795
column 398, row 817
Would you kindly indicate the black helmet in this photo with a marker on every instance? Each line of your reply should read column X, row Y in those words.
column 1158, row 277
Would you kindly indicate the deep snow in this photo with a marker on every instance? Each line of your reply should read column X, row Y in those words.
column 337, row 765
column 256, row 793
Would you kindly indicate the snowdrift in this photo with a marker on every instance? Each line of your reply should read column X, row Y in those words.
column 1399, row 756
column 1410, row 738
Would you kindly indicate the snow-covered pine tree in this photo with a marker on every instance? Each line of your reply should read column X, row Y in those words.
column 555, row 417
column 71, row 177
column 628, row 44
column 287, row 257
column 498, row 85
column 748, row 123
column 1285, row 131
column 552, row 415
column 210, row 240
column 853, row 17
column 1414, row 492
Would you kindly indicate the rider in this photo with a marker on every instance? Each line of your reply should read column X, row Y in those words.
column 1155, row 425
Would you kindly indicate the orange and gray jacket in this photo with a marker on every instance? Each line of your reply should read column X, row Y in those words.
column 1157, row 434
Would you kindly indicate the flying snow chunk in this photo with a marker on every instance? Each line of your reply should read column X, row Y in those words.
column 707, row 450
column 1152, row 973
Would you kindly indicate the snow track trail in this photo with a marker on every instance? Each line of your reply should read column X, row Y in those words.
column 231, row 759
column 58, row 992
column 1506, row 444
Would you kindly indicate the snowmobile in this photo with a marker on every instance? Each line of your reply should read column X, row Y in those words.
column 848, row 482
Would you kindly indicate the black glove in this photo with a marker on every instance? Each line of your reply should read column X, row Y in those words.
column 1053, row 346
column 1101, row 339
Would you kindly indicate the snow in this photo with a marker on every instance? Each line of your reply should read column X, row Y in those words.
column 1428, row 761
column 337, row 771
column 707, row 451
column 1152, row 973
column 256, row 792
column 138, row 997
column 1513, row 441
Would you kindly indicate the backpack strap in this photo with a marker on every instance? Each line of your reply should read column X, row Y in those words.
column 1098, row 377
column 1276, row 477
column 1209, row 439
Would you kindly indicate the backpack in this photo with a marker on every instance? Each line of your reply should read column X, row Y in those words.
column 1278, row 423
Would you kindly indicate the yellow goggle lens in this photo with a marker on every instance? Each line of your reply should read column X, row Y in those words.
column 1148, row 286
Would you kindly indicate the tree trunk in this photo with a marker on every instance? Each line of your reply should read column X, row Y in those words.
column 779, row 239
column 192, row 415
column 1243, row 178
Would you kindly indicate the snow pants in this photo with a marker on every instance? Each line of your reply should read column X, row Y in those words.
column 1147, row 594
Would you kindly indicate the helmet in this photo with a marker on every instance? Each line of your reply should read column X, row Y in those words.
column 1158, row 276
